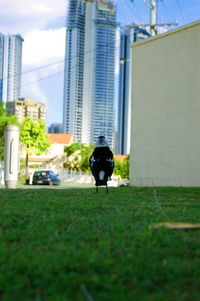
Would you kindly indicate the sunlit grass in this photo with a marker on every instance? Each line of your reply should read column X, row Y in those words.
column 75, row 244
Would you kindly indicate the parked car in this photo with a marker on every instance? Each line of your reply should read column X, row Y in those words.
column 45, row 177
column 112, row 183
column 115, row 182
column 123, row 182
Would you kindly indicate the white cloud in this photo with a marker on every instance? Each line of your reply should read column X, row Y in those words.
column 22, row 15
column 46, row 85
column 34, row 90
column 41, row 24
column 43, row 69
column 43, row 46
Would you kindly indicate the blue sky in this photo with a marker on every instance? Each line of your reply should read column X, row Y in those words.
column 41, row 24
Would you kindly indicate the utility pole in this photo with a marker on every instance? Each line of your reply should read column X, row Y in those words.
column 153, row 17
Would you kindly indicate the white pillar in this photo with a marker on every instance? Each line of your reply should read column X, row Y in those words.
column 11, row 155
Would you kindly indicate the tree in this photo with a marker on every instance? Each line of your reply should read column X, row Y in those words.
column 122, row 168
column 5, row 120
column 33, row 135
column 86, row 152
column 78, row 155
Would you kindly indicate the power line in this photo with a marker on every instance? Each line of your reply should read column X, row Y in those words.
column 74, row 66
column 137, row 8
column 91, row 50
column 131, row 8
column 167, row 15
column 33, row 69
column 47, row 65
column 42, row 78
column 50, row 64
column 56, row 73
column 43, row 66
column 62, row 61
column 168, row 9
column 120, row 14
column 180, row 9
column 153, row 25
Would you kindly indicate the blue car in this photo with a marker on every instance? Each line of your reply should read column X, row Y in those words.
column 45, row 177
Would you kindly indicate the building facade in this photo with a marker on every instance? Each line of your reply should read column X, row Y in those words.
column 55, row 128
column 165, row 109
column 25, row 107
column 10, row 67
column 128, row 35
column 90, row 70
column 74, row 63
column 99, row 72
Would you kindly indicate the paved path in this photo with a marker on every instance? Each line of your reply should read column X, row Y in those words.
column 20, row 186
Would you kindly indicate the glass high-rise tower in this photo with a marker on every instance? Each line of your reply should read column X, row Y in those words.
column 99, row 71
column 74, row 63
column 10, row 67
column 94, row 83
column 128, row 35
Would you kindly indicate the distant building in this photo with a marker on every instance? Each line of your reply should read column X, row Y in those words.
column 128, row 35
column 73, row 76
column 26, row 107
column 64, row 139
column 55, row 128
column 10, row 67
column 99, row 72
column 89, row 80
column 53, row 157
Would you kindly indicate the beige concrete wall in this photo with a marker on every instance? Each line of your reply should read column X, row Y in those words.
column 165, row 112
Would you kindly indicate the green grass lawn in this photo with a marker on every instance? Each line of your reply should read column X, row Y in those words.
column 75, row 244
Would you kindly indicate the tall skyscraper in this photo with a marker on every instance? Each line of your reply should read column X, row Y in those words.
column 128, row 35
column 94, row 83
column 74, row 64
column 99, row 72
column 10, row 67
